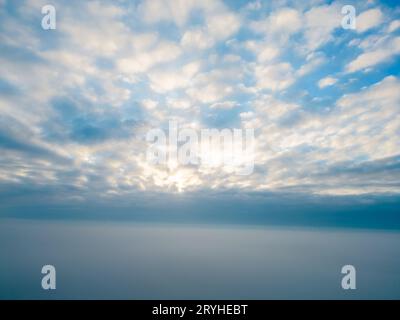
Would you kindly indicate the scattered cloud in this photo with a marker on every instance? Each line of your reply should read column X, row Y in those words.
column 326, row 82
column 76, row 102
column 377, row 53
column 369, row 19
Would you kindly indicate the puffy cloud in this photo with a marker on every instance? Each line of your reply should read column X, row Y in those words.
column 177, row 11
column 220, row 22
column 211, row 92
column 75, row 104
column 282, row 21
column 167, row 80
column 144, row 60
column 320, row 22
column 223, row 25
column 313, row 60
column 379, row 52
column 363, row 126
column 274, row 77
column 326, row 82
column 265, row 51
column 394, row 25
column 197, row 39
column 255, row 5
column 210, row 87
column 369, row 19
column 224, row 105
column 218, row 26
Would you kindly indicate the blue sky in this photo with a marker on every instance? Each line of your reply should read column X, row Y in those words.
column 76, row 103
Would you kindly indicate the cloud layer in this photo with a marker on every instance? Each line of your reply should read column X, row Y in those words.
column 76, row 102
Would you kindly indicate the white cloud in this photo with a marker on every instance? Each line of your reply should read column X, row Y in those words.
column 283, row 21
column 313, row 60
column 319, row 25
column 325, row 82
column 255, row 5
column 137, row 62
column 149, row 104
column 394, row 25
column 197, row 39
column 363, row 125
column 223, row 25
column 178, row 11
column 179, row 103
column 220, row 23
column 169, row 77
column 267, row 53
column 101, row 31
column 215, row 85
column 246, row 115
column 167, row 80
column 375, row 118
column 264, row 50
column 210, row 92
column 274, row 77
column 231, row 58
column 224, row 105
column 375, row 55
column 369, row 19
column 218, row 26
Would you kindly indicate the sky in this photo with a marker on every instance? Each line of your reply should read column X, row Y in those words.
column 76, row 104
